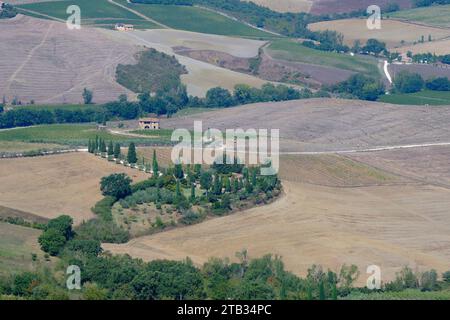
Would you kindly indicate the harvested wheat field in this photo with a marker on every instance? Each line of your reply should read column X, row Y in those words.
column 48, row 63
column 394, row 33
column 317, row 125
column 428, row 165
column 441, row 47
column 342, row 6
column 391, row 226
column 286, row 5
column 201, row 76
column 54, row 185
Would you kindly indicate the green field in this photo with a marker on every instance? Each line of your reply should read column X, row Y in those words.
column 434, row 16
column 196, row 19
column 408, row 294
column 98, row 12
column 292, row 51
column 68, row 107
column 17, row 244
column 436, row 98
column 76, row 135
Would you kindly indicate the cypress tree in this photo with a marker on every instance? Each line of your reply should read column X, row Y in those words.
column 192, row 192
column 117, row 152
column 227, row 184
column 321, row 291
column 96, row 145
column 102, row 146
column 155, row 166
column 90, row 146
column 110, row 149
column 132, row 157
column 254, row 177
column 178, row 189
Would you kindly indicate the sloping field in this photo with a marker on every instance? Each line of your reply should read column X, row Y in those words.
column 195, row 19
column 441, row 47
column 98, row 12
column 422, row 98
column 286, row 5
column 434, row 15
column 16, row 246
column 331, row 65
column 55, row 185
column 394, row 33
column 201, row 75
column 388, row 226
column 48, row 63
column 332, row 125
column 430, row 165
column 333, row 171
column 341, row 6
column 425, row 70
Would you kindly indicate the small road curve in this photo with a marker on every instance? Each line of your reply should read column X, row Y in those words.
column 139, row 14
column 386, row 71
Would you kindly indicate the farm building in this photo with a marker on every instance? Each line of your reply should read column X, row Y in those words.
column 149, row 124
column 124, row 27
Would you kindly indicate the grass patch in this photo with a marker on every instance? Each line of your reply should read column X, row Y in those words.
column 154, row 72
column 433, row 15
column 74, row 135
column 19, row 147
column 433, row 98
column 98, row 12
column 196, row 19
column 17, row 244
column 68, row 107
column 292, row 51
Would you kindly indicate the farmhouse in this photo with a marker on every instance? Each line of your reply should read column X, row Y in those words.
column 124, row 27
column 149, row 123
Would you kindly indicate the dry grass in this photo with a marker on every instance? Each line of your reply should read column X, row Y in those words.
column 55, row 185
column 17, row 244
column 441, row 47
column 286, row 5
column 392, row 32
column 429, row 165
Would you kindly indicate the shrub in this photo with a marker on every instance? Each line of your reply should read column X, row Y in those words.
column 52, row 241
column 407, row 82
column 117, row 185
column 438, row 84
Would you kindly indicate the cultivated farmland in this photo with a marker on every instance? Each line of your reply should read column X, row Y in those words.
column 55, row 185
column 195, row 19
column 394, row 33
column 332, row 125
column 54, row 64
column 294, row 52
column 390, row 226
column 434, row 15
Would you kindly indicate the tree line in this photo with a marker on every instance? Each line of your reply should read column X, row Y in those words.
column 163, row 103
